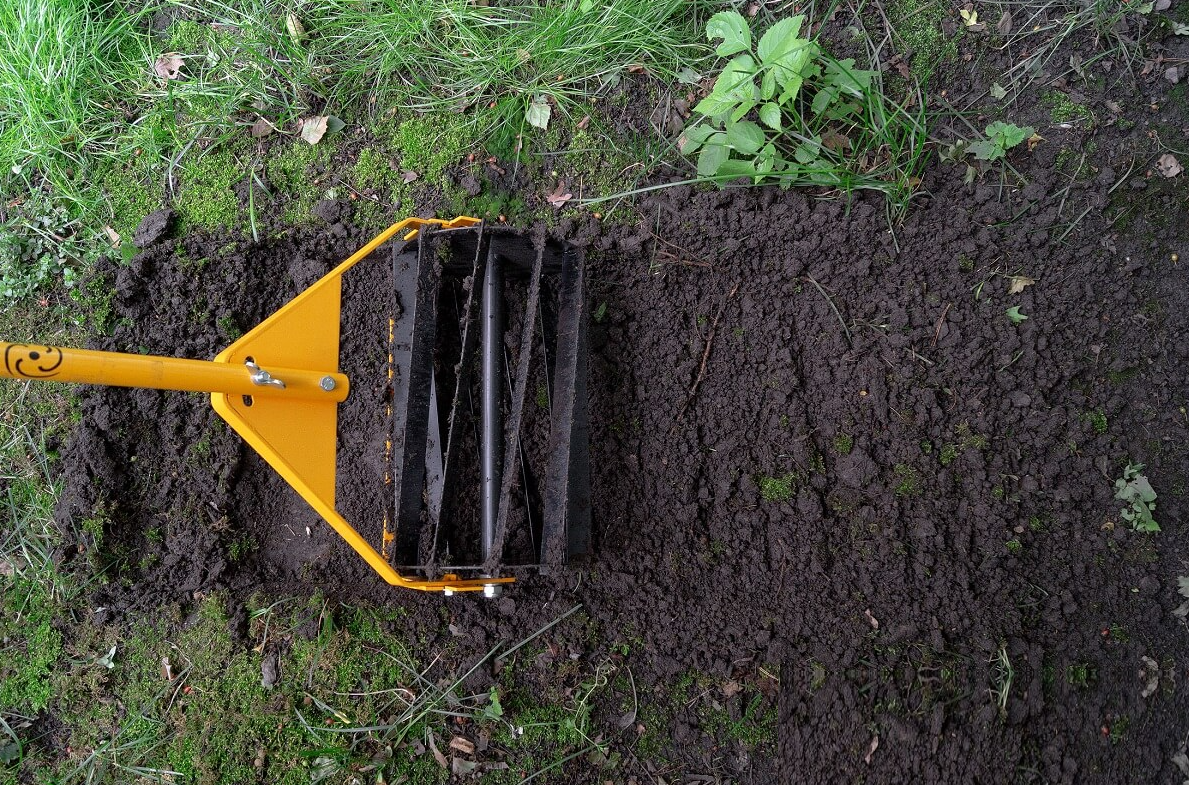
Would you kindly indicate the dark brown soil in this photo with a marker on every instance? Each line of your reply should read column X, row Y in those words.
column 950, row 496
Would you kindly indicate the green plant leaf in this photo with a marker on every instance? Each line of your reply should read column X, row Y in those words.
column 1015, row 316
column 770, row 115
column 844, row 75
column 732, row 28
column 740, row 111
column 768, row 85
column 1008, row 135
column 745, row 136
column 780, row 39
column 714, row 153
column 791, row 90
column 808, row 151
column 736, row 167
column 985, row 150
column 823, row 99
column 694, row 137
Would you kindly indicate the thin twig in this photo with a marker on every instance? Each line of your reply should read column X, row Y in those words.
column 833, row 308
column 693, row 390
column 940, row 322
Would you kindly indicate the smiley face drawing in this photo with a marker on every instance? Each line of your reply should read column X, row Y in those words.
column 26, row 361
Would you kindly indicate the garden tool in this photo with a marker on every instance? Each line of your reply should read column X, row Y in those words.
column 279, row 387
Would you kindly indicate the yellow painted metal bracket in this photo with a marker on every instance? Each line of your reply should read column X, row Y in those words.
column 278, row 386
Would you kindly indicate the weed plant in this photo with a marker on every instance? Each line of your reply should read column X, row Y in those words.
column 784, row 111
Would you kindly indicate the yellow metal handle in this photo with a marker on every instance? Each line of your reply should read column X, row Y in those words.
column 55, row 364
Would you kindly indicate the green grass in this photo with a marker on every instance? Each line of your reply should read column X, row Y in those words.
column 83, row 113
column 65, row 69
column 455, row 54
column 917, row 25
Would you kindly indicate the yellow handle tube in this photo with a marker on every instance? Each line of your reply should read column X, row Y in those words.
column 52, row 363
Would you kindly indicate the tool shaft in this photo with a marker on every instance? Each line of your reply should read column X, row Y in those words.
column 39, row 362
column 491, row 381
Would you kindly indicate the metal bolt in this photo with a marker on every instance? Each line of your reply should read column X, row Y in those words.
column 489, row 590
column 448, row 591
column 327, row 383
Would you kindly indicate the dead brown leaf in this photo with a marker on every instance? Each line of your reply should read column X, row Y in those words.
column 6, row 568
column 296, row 30
column 168, row 65
column 113, row 236
column 1019, row 283
column 560, row 196
column 832, row 140
column 1003, row 26
column 871, row 618
column 460, row 767
column 1113, row 106
column 463, row 745
column 584, row 122
column 731, row 689
column 167, row 669
column 1033, row 141
column 409, row 176
column 1168, row 165
column 871, row 750
column 262, row 127
column 437, row 754
column 313, row 128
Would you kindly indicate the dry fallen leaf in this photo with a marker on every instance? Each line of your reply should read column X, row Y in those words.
column 460, row 767
column 313, row 128
column 559, row 197
column 871, row 750
column 1113, row 106
column 112, row 235
column 262, row 127
column 167, row 669
column 409, row 176
column 460, row 744
column 871, row 618
column 1003, row 26
column 296, row 31
column 731, row 689
column 437, row 754
column 1168, row 165
column 1033, row 141
column 1019, row 283
column 168, row 66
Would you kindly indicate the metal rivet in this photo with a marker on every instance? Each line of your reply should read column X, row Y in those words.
column 327, row 383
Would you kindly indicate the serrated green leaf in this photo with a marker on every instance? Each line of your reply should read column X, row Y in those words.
column 791, row 89
column 998, row 92
column 1015, row 316
column 735, row 167
column 1008, row 135
column 745, row 136
column 985, row 150
column 768, row 85
column 715, row 105
column 808, row 151
column 770, row 115
column 780, row 39
column 823, row 99
column 741, row 111
column 844, row 75
column 694, row 137
column 714, row 153
column 732, row 28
